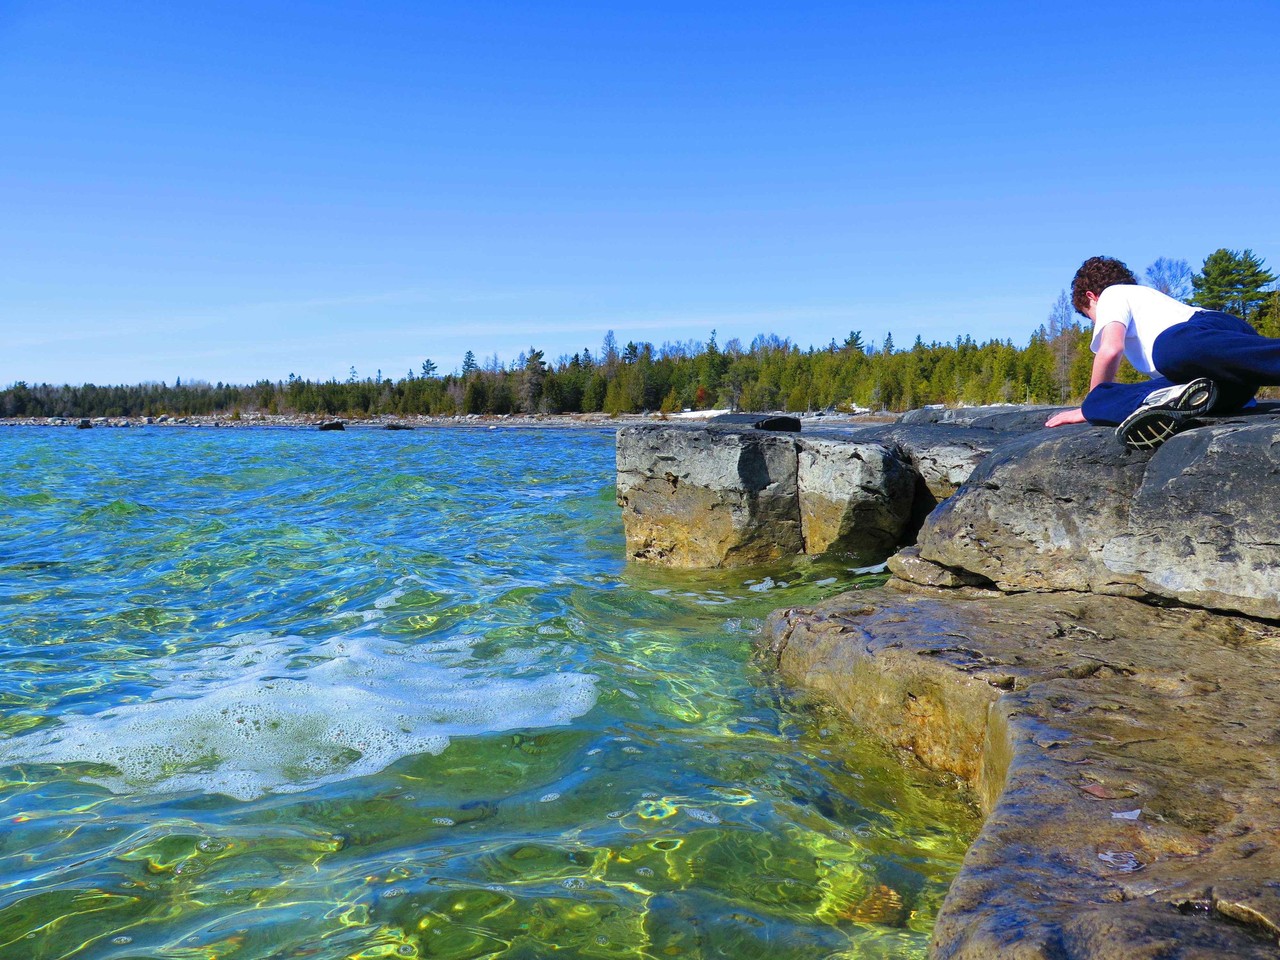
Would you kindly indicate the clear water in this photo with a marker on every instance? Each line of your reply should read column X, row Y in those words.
column 272, row 693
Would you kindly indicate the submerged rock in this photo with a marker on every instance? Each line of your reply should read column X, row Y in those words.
column 1126, row 757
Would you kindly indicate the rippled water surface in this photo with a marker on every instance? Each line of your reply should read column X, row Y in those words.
column 272, row 693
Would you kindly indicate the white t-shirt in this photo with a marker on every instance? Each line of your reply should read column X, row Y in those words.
column 1145, row 313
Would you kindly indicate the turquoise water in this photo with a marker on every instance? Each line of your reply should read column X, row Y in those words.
column 279, row 693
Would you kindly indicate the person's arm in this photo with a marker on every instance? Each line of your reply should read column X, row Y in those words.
column 1105, row 364
column 1110, row 349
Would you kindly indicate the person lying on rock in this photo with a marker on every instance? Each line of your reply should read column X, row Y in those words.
column 1200, row 361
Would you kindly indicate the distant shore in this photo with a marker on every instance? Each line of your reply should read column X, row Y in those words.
column 545, row 421
column 313, row 422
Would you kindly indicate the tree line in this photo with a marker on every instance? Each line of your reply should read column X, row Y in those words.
column 771, row 373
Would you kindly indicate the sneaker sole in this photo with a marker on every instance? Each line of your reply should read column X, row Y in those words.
column 1198, row 398
column 1148, row 429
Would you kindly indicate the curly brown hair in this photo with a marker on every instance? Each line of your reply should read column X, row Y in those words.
column 1096, row 274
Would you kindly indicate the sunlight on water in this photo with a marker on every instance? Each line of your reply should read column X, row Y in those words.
column 363, row 695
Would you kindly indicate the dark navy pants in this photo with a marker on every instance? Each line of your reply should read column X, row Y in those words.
column 1215, row 345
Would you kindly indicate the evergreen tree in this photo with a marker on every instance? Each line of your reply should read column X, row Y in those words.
column 534, row 374
column 1231, row 281
column 469, row 365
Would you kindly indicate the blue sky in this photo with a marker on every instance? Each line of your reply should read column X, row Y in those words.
column 233, row 191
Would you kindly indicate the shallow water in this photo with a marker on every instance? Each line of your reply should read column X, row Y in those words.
column 273, row 693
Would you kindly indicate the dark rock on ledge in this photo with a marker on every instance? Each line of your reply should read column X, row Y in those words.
column 756, row 421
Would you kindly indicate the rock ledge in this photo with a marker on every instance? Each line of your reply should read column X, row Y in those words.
column 1126, row 758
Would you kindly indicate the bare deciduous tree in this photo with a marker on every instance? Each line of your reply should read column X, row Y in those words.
column 1172, row 277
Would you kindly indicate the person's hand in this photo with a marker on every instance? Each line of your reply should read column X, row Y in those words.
column 1064, row 417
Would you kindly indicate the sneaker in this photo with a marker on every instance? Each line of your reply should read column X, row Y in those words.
column 1192, row 398
column 1148, row 427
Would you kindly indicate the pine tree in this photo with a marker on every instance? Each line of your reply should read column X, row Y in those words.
column 1232, row 282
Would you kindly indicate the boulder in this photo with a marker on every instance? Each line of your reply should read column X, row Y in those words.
column 698, row 497
column 1195, row 522
column 1125, row 756
column 854, row 497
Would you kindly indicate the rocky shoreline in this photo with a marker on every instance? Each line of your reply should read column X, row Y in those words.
column 1088, row 637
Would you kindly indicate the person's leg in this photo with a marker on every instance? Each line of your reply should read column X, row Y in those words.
column 1223, row 348
column 1109, row 404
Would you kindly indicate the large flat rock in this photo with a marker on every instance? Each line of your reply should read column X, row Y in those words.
column 1196, row 522
column 1127, row 758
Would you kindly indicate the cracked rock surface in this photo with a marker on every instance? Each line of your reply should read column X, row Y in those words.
column 704, row 496
column 1127, row 758
column 1197, row 522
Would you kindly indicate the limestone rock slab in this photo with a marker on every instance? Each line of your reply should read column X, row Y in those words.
column 1197, row 522
column 1001, row 417
column 854, row 497
column 943, row 454
column 1126, row 757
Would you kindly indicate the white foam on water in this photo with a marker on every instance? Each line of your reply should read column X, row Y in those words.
column 874, row 568
column 390, row 599
column 284, row 714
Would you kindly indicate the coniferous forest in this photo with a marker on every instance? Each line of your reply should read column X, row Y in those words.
column 770, row 373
